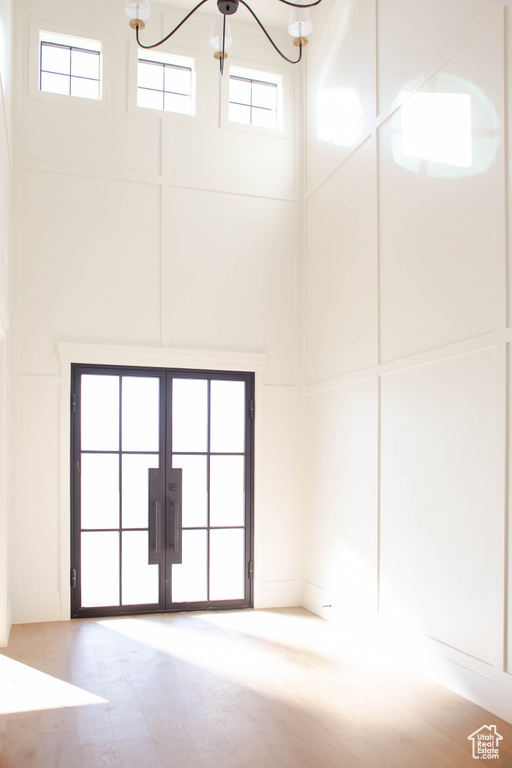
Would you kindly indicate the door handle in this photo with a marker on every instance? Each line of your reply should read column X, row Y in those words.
column 177, row 526
column 156, row 545
column 156, row 494
column 174, row 515
column 175, row 539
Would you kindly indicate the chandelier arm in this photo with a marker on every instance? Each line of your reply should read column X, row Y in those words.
column 300, row 5
column 292, row 61
column 155, row 45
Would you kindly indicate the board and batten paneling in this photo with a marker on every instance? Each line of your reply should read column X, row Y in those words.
column 139, row 230
column 438, row 319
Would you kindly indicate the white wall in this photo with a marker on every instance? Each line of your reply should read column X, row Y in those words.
column 147, row 231
column 408, row 333
column 5, row 248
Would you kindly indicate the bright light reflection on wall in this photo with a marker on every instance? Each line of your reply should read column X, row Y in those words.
column 340, row 116
column 448, row 129
column 24, row 689
column 437, row 127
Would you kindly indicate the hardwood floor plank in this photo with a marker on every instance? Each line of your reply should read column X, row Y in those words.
column 122, row 696
column 219, row 754
column 36, row 750
column 277, row 735
column 374, row 754
column 173, row 743
column 102, row 755
column 93, row 724
column 149, row 690
column 139, row 754
column 61, row 720
column 236, row 727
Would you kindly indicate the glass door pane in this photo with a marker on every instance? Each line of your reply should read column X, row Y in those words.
column 100, row 569
column 189, row 415
column 136, row 488
column 228, row 413
column 227, row 491
column 227, row 577
column 189, row 579
column 100, row 490
column 141, row 413
column 100, row 413
column 140, row 441
column 195, row 489
column 139, row 580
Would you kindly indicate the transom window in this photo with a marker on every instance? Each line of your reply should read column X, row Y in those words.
column 70, row 66
column 166, row 83
column 254, row 98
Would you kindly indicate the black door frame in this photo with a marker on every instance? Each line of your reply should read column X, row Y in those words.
column 164, row 374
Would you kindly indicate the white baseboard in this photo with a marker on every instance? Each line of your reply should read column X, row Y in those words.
column 266, row 596
column 318, row 601
column 483, row 684
column 489, row 694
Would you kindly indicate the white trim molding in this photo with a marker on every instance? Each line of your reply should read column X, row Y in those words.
column 161, row 357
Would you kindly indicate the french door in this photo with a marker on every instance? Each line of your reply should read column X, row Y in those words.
column 161, row 490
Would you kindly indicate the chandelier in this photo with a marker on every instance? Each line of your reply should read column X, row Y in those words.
column 299, row 26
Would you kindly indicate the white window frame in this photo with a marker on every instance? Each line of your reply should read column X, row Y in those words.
column 254, row 70
column 171, row 59
column 41, row 31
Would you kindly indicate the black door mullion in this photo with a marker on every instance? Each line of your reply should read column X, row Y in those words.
column 249, row 487
column 167, row 567
column 120, row 455
column 161, row 463
column 76, row 507
column 208, row 460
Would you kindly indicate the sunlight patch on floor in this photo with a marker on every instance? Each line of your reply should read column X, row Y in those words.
column 24, row 689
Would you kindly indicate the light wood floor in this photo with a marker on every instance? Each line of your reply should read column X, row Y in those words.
column 258, row 689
